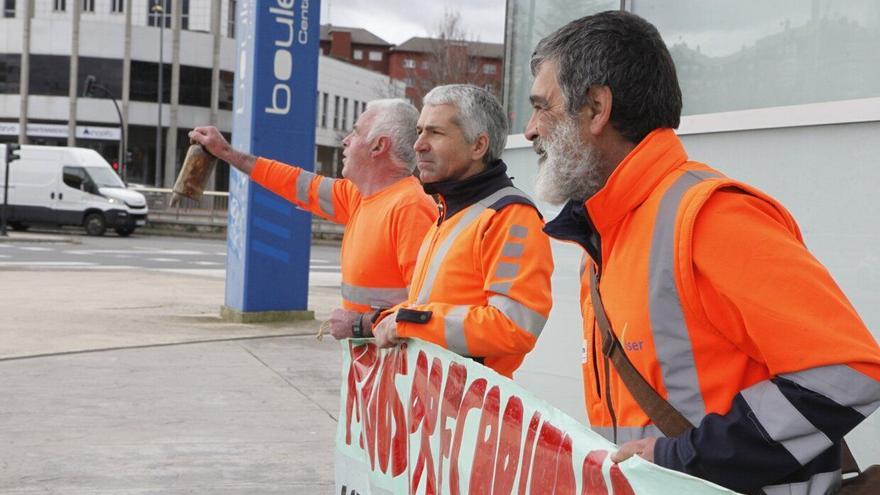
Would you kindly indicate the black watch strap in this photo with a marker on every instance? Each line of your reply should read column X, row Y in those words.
column 357, row 329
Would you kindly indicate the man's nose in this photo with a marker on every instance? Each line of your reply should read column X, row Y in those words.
column 531, row 131
column 421, row 145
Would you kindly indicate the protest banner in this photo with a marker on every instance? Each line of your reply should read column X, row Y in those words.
column 419, row 419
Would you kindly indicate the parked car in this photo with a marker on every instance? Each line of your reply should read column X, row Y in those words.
column 55, row 185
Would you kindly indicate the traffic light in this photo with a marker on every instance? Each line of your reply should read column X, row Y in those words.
column 90, row 83
column 115, row 166
column 13, row 152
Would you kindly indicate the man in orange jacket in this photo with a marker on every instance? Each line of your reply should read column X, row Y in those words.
column 381, row 204
column 481, row 286
column 706, row 281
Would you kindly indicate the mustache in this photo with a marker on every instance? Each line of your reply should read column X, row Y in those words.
column 538, row 146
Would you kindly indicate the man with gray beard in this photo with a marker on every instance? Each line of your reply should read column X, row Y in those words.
column 736, row 358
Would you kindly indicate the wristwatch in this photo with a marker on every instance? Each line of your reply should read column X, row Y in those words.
column 357, row 329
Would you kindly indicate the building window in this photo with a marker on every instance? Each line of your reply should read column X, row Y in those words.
column 345, row 114
column 409, row 82
column 375, row 56
column 409, row 63
column 325, row 101
column 336, row 112
column 425, row 65
column 88, row 5
column 59, row 5
column 117, row 6
column 230, row 28
column 489, row 69
column 8, row 8
column 363, row 106
column 472, row 67
column 153, row 17
column 358, row 54
column 357, row 111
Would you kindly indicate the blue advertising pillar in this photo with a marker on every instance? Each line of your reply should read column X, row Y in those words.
column 268, row 239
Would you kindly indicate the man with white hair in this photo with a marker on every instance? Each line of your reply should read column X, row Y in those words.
column 381, row 204
column 482, row 281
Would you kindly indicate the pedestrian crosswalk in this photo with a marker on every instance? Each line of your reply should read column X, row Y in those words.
column 206, row 262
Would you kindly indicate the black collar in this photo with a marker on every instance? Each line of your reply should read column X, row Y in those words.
column 573, row 224
column 459, row 194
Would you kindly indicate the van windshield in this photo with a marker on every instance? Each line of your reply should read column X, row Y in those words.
column 104, row 177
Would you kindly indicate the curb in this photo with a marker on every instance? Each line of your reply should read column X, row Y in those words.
column 40, row 238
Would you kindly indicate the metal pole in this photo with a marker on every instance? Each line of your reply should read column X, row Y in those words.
column 5, row 193
column 121, row 133
column 160, row 13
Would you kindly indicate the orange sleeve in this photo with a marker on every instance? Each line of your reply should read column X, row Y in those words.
column 333, row 199
column 411, row 221
column 765, row 292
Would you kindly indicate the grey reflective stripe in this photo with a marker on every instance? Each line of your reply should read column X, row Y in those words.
column 841, row 384
column 784, row 423
column 818, row 484
column 583, row 264
column 303, row 181
column 671, row 340
column 436, row 261
column 501, row 288
column 628, row 433
column 468, row 216
column 529, row 320
column 506, row 270
column 518, row 231
column 513, row 250
column 325, row 196
column 374, row 297
column 454, row 330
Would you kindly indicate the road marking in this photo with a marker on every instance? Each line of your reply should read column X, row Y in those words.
column 165, row 260
column 208, row 263
column 36, row 248
column 46, row 263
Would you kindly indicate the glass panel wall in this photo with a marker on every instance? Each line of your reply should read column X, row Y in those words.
column 742, row 54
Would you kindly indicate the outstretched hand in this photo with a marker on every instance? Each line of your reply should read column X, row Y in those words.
column 211, row 139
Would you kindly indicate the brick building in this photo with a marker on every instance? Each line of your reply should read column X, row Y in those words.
column 422, row 63
column 356, row 46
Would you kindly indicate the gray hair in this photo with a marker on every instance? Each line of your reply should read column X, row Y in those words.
column 397, row 119
column 479, row 112
column 624, row 52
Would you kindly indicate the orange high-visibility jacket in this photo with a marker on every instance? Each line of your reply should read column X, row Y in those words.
column 382, row 234
column 719, row 305
column 481, row 286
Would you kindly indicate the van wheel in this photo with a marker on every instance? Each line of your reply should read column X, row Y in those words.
column 95, row 224
column 124, row 231
column 19, row 226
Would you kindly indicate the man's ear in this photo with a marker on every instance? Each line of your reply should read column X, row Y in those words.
column 480, row 147
column 380, row 145
column 596, row 114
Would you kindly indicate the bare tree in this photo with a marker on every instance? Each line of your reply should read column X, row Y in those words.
column 450, row 56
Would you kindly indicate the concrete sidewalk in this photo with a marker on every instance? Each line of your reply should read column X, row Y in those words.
column 128, row 382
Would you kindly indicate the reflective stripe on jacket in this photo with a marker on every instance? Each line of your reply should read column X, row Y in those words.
column 481, row 286
column 722, row 309
column 382, row 233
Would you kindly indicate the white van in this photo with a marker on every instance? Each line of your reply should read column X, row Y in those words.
column 58, row 185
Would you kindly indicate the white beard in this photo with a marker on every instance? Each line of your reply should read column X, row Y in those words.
column 570, row 170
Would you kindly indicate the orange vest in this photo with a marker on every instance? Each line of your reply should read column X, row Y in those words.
column 382, row 234
column 701, row 317
column 482, row 282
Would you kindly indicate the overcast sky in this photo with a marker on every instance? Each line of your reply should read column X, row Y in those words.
column 396, row 21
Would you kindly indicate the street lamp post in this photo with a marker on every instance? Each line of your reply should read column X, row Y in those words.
column 158, row 9
column 89, row 88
